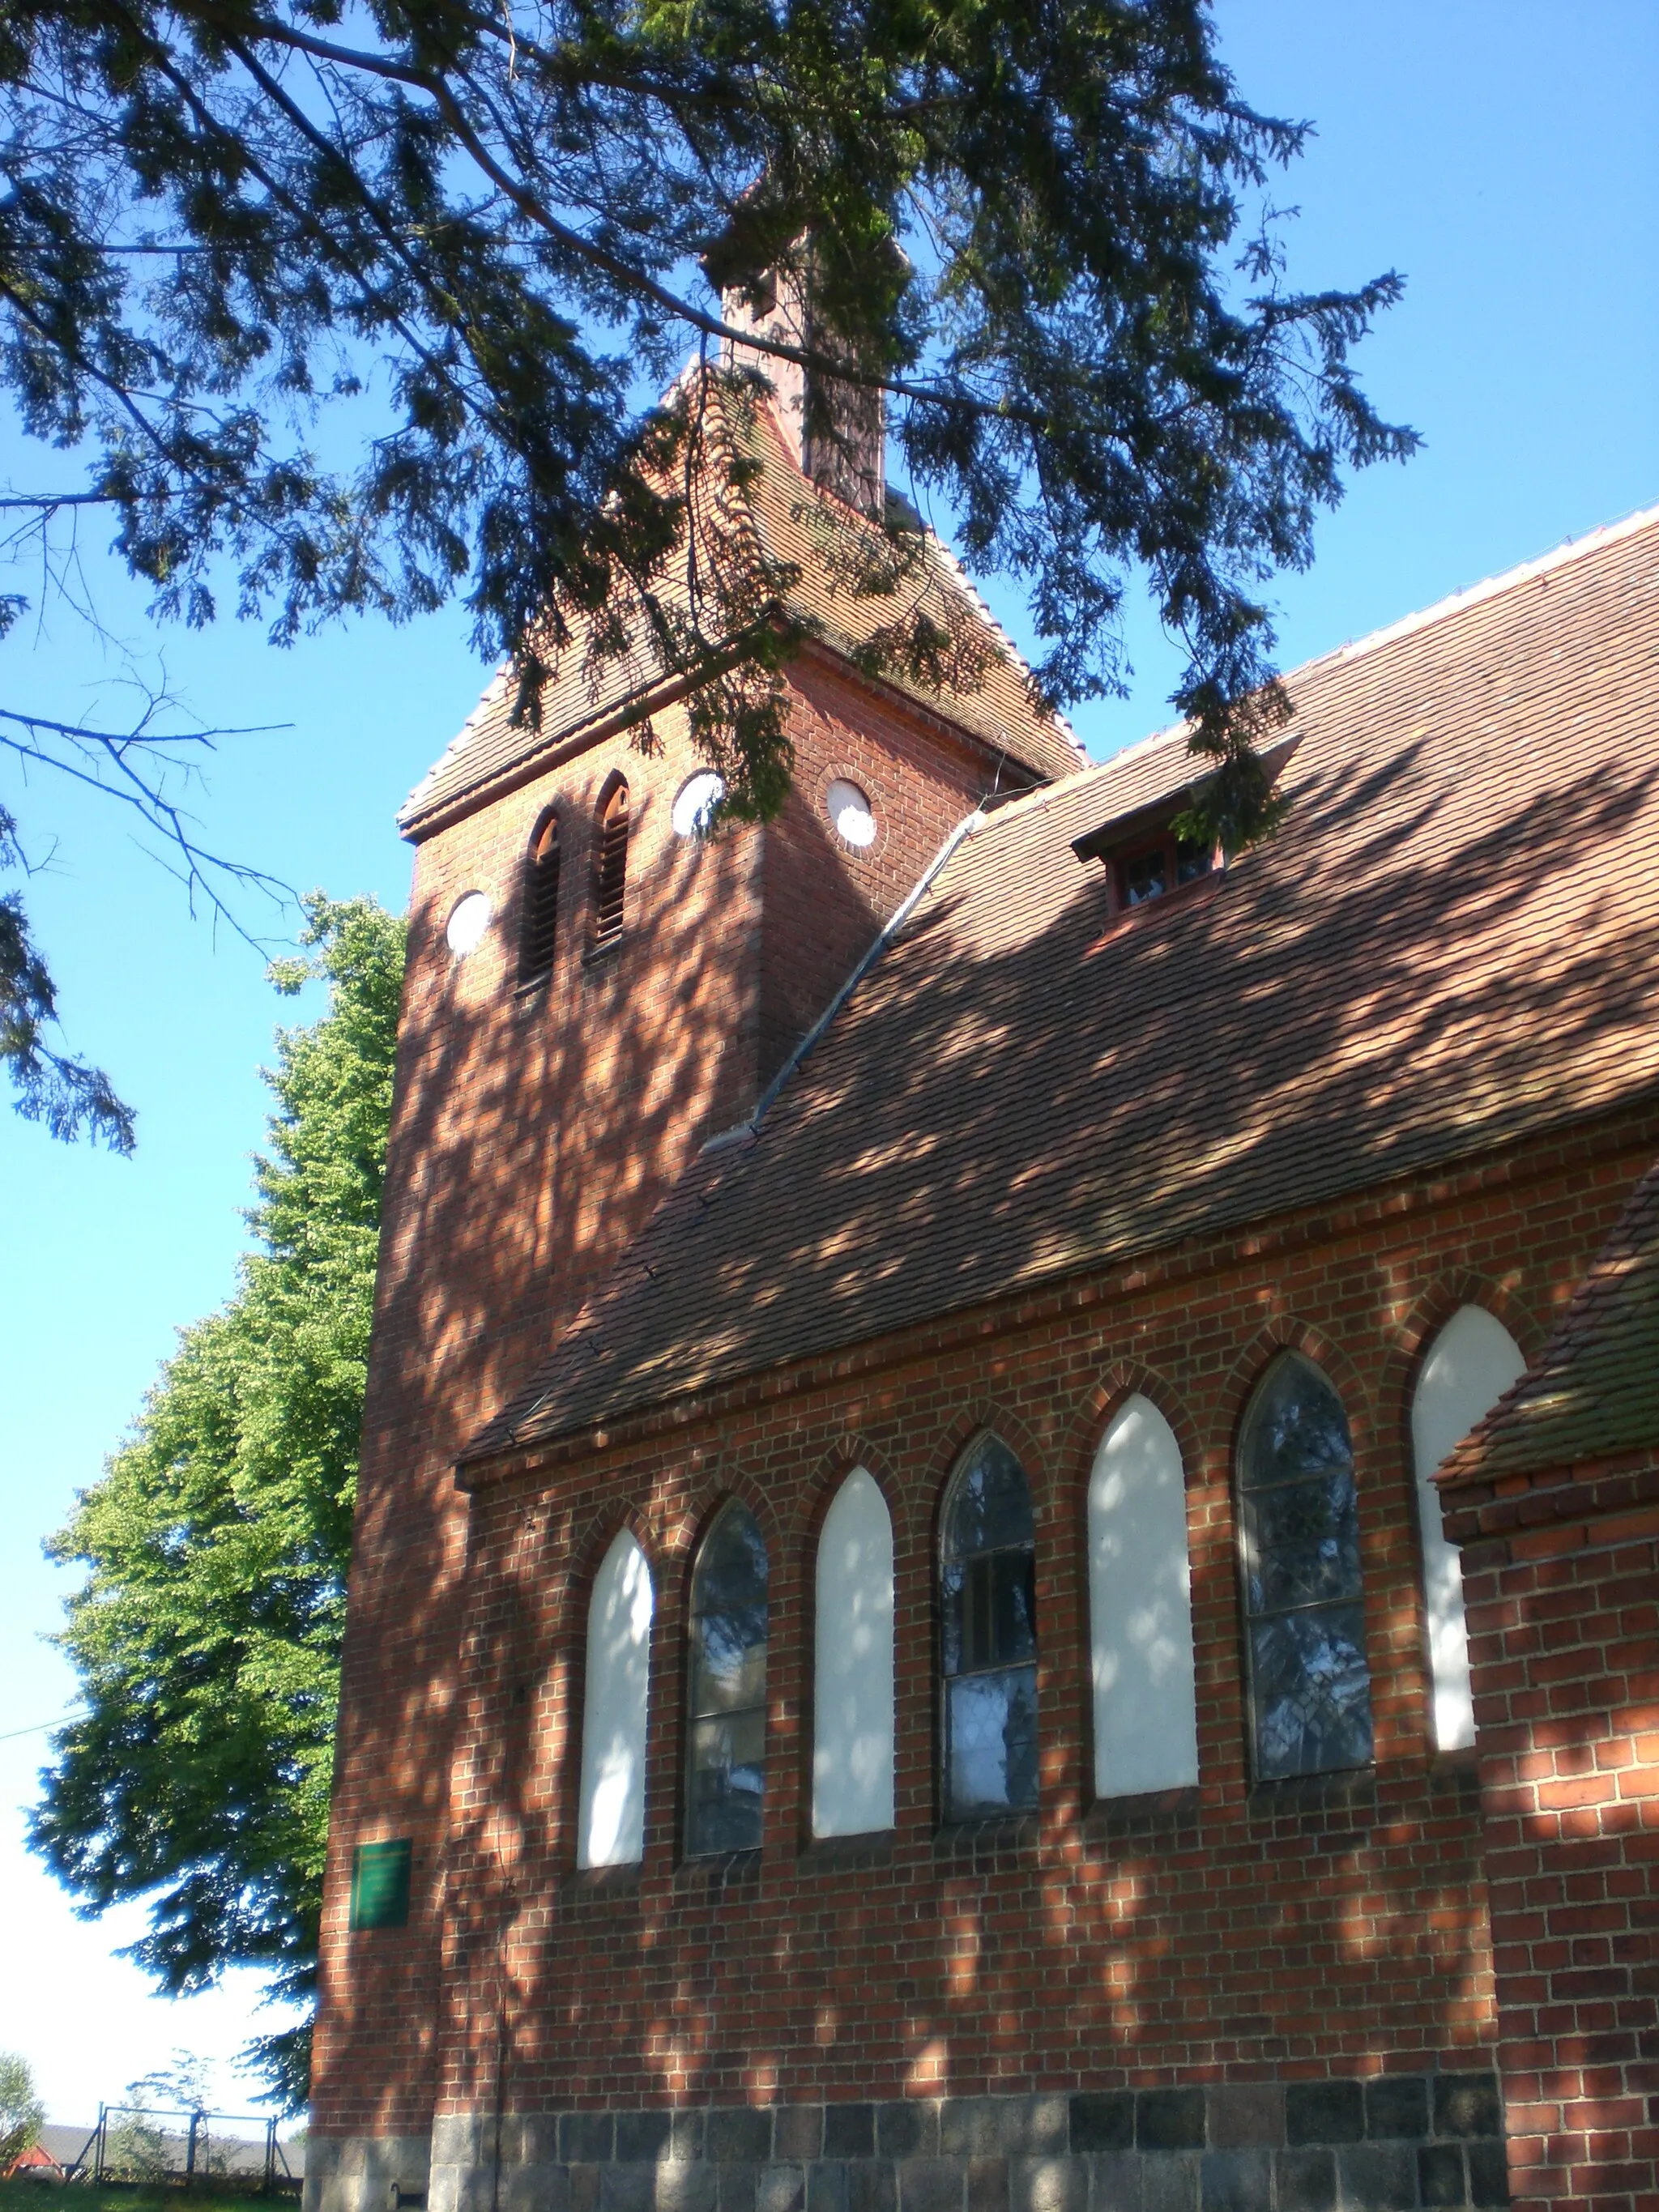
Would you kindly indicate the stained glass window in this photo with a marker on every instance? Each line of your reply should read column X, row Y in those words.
column 987, row 1605
column 726, row 1762
column 1311, row 1686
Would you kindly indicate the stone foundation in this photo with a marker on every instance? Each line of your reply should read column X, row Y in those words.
column 360, row 2173
column 1391, row 2144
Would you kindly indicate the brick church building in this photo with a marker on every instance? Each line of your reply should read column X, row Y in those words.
column 905, row 1652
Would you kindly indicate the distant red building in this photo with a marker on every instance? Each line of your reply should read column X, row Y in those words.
column 902, row 1652
column 35, row 2160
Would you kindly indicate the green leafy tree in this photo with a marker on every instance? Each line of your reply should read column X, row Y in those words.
column 206, row 1637
column 141, row 2146
column 482, row 236
column 22, row 2115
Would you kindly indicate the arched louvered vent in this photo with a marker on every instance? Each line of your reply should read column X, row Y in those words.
column 611, row 892
column 541, row 901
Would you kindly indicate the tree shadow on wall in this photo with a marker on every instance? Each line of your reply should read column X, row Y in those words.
column 1381, row 991
column 535, row 1130
column 1391, row 986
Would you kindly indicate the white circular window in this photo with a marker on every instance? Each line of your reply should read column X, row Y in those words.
column 468, row 921
column 694, row 807
column 849, row 809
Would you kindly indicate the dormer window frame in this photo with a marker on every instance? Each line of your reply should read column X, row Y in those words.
column 1173, row 854
column 1148, row 835
column 1126, row 840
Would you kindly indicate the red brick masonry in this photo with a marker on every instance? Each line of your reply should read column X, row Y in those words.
column 1562, row 1576
column 1399, row 1061
column 1245, row 1933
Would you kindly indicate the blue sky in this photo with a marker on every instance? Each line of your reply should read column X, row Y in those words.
column 1501, row 153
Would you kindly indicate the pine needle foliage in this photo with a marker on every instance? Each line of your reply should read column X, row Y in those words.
column 71, row 1097
column 206, row 1636
column 1044, row 232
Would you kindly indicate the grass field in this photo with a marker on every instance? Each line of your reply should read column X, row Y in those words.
column 81, row 2196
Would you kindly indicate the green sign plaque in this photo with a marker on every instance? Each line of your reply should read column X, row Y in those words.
column 380, row 1884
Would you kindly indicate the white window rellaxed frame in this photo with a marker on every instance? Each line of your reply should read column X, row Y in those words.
column 1471, row 1364
column 852, row 1664
column 611, row 1821
column 1140, row 1610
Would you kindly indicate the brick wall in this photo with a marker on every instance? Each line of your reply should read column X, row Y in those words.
column 822, row 903
column 533, row 1132
column 1562, row 1574
column 1234, row 1934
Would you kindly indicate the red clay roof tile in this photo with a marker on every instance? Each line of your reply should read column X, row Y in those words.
column 810, row 531
column 1453, row 943
column 1593, row 1394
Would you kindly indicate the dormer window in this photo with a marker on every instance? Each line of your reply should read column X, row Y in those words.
column 1161, row 867
column 1143, row 856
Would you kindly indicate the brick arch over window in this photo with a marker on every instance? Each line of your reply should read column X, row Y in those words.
column 817, row 1493
column 1098, row 1406
column 988, row 1634
column 723, row 1479
column 538, row 919
column 1429, row 1313
column 1306, row 1669
column 945, row 1451
column 1286, row 1332
column 611, row 863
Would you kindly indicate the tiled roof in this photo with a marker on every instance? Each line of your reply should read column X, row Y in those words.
column 1453, row 943
column 818, row 535
column 1593, row 1394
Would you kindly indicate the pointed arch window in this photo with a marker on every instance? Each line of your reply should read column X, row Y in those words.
column 725, row 1762
column 1471, row 1364
column 610, row 1822
column 852, row 1664
column 611, row 884
column 539, row 926
column 987, row 1637
column 1309, row 1682
column 1140, row 1609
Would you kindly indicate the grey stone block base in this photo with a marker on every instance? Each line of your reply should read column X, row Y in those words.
column 359, row 2174
column 1395, row 2144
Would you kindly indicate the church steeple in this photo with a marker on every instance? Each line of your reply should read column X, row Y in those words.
column 835, row 430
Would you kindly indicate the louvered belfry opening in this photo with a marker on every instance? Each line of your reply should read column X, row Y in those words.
column 611, row 890
column 541, row 902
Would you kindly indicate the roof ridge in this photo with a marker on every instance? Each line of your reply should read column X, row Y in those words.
column 971, row 591
column 463, row 738
column 1441, row 610
column 1490, row 587
column 1041, row 795
column 827, row 495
